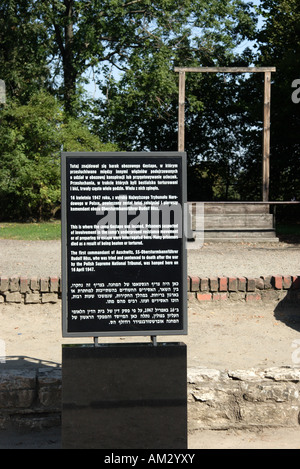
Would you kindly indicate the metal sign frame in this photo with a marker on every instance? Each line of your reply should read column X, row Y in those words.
column 69, row 277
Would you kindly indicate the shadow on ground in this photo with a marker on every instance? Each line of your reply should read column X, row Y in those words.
column 288, row 309
column 17, row 362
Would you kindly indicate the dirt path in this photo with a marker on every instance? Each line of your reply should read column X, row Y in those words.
column 227, row 336
column 281, row 438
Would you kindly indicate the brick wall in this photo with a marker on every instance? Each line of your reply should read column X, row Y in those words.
column 30, row 290
column 265, row 288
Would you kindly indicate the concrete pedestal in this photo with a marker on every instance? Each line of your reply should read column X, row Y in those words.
column 124, row 396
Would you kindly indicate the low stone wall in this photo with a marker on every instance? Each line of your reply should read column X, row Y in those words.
column 264, row 288
column 243, row 398
column 31, row 397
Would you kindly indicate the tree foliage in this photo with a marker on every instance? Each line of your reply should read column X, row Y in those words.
column 139, row 109
column 85, row 34
column 23, row 49
column 31, row 138
column 279, row 44
column 71, row 36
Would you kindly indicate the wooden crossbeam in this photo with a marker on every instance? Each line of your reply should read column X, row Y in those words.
column 225, row 69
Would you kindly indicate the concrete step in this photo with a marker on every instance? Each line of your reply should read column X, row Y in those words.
column 214, row 208
column 238, row 221
column 234, row 208
column 239, row 233
column 222, row 222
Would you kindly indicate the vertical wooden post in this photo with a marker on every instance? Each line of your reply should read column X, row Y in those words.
column 181, row 108
column 266, row 138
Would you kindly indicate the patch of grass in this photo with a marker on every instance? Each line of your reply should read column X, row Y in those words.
column 31, row 231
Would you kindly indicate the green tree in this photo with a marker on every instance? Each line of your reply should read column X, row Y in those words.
column 58, row 41
column 85, row 34
column 31, row 138
column 24, row 50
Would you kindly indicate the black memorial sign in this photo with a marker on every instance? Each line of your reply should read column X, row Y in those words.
column 123, row 244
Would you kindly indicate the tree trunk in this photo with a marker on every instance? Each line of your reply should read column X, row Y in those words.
column 68, row 65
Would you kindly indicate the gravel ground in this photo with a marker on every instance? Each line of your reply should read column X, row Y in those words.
column 244, row 259
column 43, row 258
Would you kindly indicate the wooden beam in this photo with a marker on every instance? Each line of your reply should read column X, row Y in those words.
column 225, row 69
column 266, row 137
column 181, row 108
